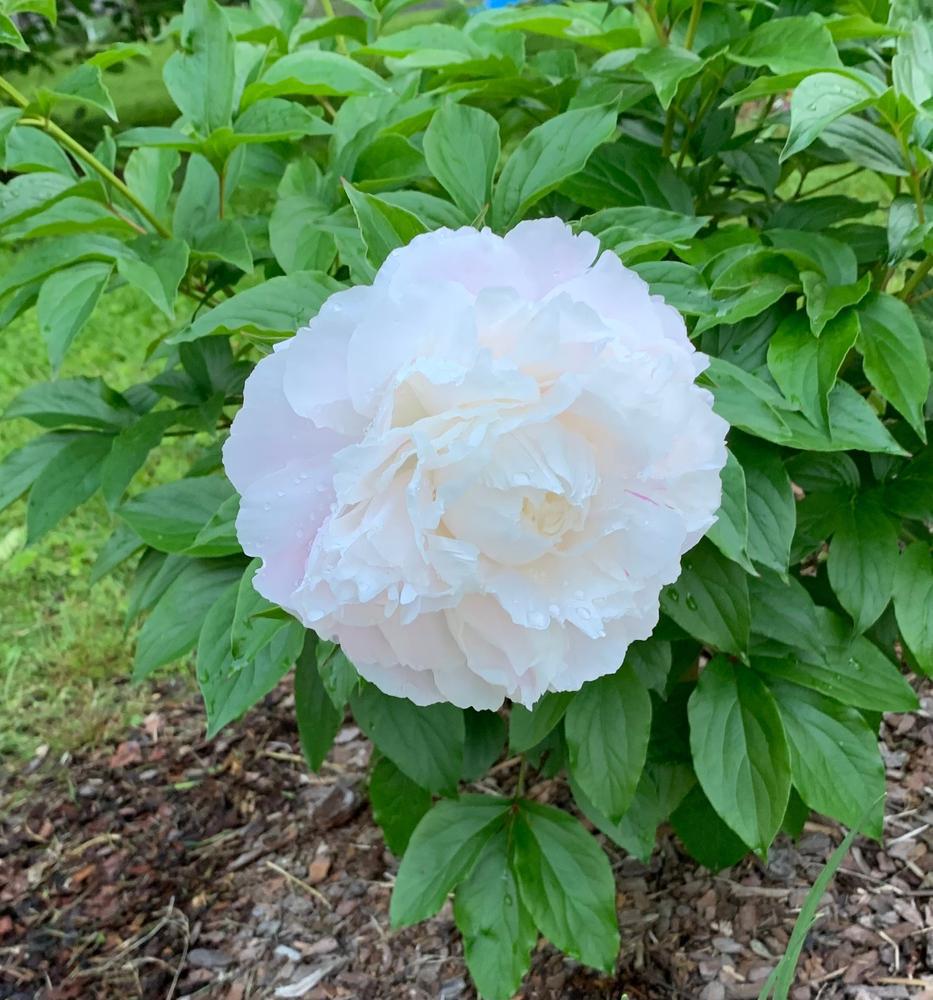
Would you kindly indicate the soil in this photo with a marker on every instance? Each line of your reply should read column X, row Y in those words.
column 168, row 866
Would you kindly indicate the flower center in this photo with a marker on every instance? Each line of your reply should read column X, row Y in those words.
column 552, row 515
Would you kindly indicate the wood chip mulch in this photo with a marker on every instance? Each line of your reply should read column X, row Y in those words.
column 168, row 866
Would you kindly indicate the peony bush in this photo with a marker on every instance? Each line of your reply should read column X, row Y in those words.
column 557, row 381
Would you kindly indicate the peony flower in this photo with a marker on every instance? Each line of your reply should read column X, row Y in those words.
column 477, row 473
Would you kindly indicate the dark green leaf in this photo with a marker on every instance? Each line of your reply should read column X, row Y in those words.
column 528, row 727
column 75, row 402
column 862, row 560
column 730, row 532
column 70, row 477
column 819, row 100
column 913, row 602
column 740, row 751
column 425, row 742
column 130, row 449
column 607, row 727
column 787, row 44
column 318, row 719
column 398, row 804
column 704, row 834
column 566, row 884
column 441, row 853
column 384, row 226
column 171, row 630
column 484, row 742
column 20, row 468
column 710, row 599
column 498, row 931
column 169, row 517
column 834, row 756
column 772, row 514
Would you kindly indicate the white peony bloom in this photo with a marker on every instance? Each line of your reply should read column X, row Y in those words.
column 477, row 474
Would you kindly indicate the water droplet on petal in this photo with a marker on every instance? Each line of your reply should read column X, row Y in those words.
column 267, row 506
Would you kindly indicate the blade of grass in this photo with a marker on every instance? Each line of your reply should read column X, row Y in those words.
column 777, row 985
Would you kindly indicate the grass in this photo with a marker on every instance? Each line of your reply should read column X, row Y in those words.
column 62, row 642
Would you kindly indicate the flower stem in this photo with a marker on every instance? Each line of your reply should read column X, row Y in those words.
column 80, row 153
column 520, row 784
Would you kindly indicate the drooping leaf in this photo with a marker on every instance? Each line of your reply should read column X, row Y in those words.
column 913, row 602
column 398, row 804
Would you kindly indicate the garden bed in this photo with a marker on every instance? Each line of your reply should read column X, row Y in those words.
column 170, row 866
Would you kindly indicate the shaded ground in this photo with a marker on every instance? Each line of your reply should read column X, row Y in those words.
column 167, row 867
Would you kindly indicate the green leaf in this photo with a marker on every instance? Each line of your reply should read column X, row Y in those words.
column 484, row 740
column 21, row 468
column 318, row 719
column 384, row 226
column 297, row 239
column 862, row 560
column 398, row 804
column 277, row 120
column 660, row 790
column 81, row 402
column 666, row 67
column 528, row 727
column 894, row 356
column 201, row 77
column 819, row 100
column 704, row 834
column 498, row 931
column 607, row 727
column 230, row 688
column 314, row 72
column 338, row 674
column 26, row 194
column 913, row 602
column 805, row 366
column 782, row 609
column 29, row 149
column 852, row 670
column 461, row 146
column 66, row 301
column 45, row 8
column 730, row 532
column 772, row 514
column 912, row 65
column 680, row 285
column 651, row 660
column 70, row 477
column 441, row 853
column 122, row 543
column 710, row 599
column 130, row 449
column 218, row 537
column 10, row 35
column 172, row 628
column 740, row 751
column 566, row 883
column 834, row 756
column 85, row 85
column 636, row 231
column 424, row 742
column 547, row 155
column 169, row 517
column 787, row 45
column 270, row 311
column 910, row 492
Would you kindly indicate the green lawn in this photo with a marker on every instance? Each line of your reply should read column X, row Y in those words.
column 62, row 643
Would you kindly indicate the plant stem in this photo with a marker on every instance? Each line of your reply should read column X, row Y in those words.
column 922, row 271
column 693, row 24
column 668, row 137
column 329, row 12
column 520, row 784
column 80, row 153
column 648, row 7
column 830, row 183
column 913, row 182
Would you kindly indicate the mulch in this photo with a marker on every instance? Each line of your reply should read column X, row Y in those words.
column 168, row 866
